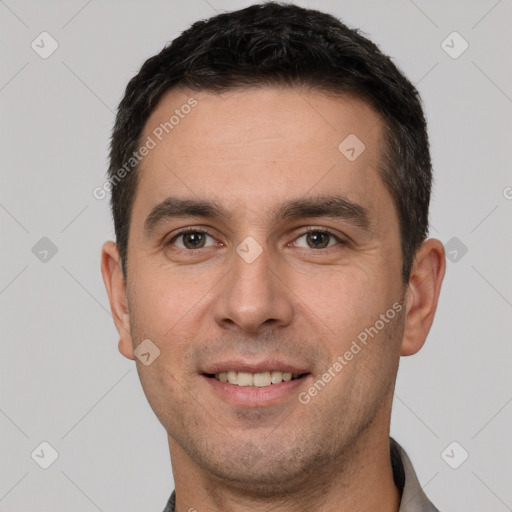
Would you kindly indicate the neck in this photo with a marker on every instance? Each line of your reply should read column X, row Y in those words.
column 359, row 479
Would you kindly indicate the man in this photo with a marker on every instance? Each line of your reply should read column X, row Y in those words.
column 270, row 177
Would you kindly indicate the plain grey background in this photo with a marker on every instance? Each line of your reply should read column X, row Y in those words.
column 63, row 380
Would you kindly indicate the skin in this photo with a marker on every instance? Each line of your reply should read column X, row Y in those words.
column 252, row 150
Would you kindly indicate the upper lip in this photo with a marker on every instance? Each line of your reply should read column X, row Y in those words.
column 253, row 367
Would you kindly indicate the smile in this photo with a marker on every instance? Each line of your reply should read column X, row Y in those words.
column 260, row 380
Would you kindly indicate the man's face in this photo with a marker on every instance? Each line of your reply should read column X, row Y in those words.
column 252, row 290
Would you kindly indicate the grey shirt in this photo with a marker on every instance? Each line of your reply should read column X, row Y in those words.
column 413, row 497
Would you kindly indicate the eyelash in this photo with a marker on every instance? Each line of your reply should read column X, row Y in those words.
column 311, row 229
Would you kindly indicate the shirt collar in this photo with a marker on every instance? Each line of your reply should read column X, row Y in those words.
column 413, row 497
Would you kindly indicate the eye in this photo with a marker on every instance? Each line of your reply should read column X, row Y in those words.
column 192, row 239
column 317, row 239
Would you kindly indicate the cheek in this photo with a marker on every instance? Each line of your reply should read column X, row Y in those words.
column 163, row 301
column 368, row 353
column 169, row 312
column 160, row 314
column 345, row 301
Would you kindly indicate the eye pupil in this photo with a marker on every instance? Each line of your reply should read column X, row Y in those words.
column 318, row 239
column 193, row 240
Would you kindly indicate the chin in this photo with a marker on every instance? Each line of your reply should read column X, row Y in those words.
column 267, row 471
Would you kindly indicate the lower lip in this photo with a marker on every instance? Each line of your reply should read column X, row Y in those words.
column 249, row 396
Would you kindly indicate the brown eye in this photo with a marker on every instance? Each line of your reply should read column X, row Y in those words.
column 317, row 240
column 192, row 240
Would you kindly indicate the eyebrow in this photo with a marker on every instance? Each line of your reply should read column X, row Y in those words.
column 332, row 206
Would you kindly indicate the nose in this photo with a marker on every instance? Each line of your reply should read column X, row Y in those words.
column 253, row 295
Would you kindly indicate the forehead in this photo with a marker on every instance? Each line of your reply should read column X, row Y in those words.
column 221, row 120
column 251, row 146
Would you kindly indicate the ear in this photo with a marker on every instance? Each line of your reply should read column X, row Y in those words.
column 116, row 290
column 422, row 294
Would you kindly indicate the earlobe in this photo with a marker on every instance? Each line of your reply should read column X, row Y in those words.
column 422, row 296
column 116, row 290
column 125, row 347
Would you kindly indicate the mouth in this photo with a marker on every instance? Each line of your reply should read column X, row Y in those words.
column 257, row 380
column 263, row 383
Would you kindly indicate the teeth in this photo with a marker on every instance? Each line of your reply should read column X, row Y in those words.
column 259, row 380
column 245, row 379
column 276, row 377
column 262, row 379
